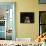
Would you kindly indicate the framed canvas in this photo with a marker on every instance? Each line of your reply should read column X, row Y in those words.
column 42, row 22
column 26, row 17
column 42, row 1
column 7, row 20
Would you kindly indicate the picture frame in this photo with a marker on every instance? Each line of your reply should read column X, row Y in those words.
column 7, row 13
column 42, row 1
column 42, row 22
column 26, row 17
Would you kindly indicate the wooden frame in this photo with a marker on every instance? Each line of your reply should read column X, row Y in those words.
column 42, row 1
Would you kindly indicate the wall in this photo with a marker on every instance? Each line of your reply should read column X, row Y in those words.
column 27, row 30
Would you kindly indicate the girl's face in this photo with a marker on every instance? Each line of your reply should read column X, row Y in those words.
column 27, row 18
